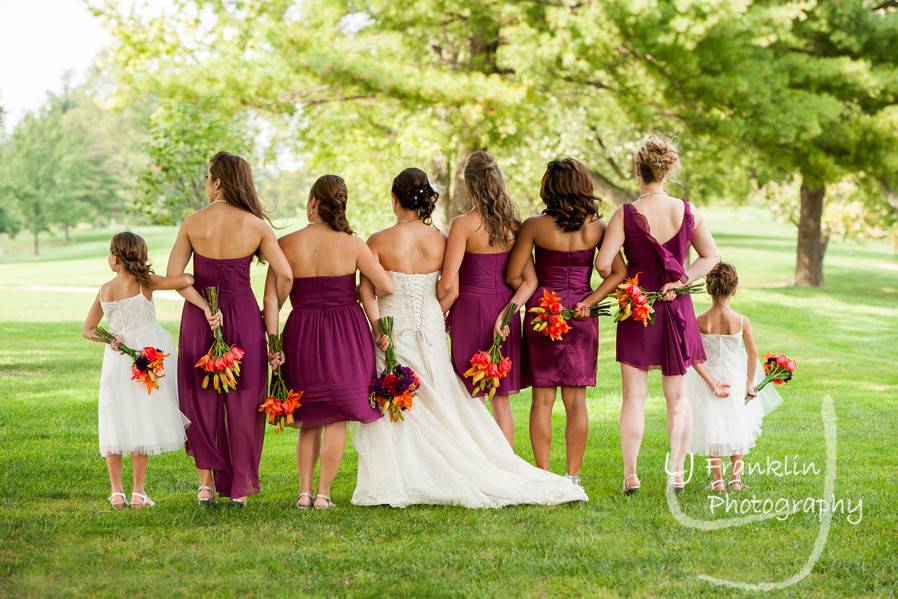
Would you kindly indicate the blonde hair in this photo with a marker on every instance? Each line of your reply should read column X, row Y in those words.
column 486, row 189
column 657, row 159
column 130, row 250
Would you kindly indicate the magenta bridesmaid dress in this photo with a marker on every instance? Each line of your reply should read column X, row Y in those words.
column 572, row 361
column 673, row 343
column 329, row 352
column 483, row 294
column 226, row 431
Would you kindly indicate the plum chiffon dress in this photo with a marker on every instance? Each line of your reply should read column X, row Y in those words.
column 329, row 352
column 226, row 431
column 572, row 361
column 673, row 343
column 483, row 294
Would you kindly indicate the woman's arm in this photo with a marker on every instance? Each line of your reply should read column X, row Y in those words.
column 372, row 311
column 372, row 270
column 178, row 282
column 447, row 287
column 752, row 350
column 277, row 262
column 615, row 276
column 521, row 254
column 271, row 303
column 717, row 388
column 520, row 297
column 94, row 316
column 612, row 242
column 706, row 249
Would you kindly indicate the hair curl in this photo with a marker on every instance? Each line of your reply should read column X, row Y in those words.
column 131, row 253
column 415, row 192
column 486, row 189
column 331, row 192
column 657, row 159
column 567, row 192
column 722, row 281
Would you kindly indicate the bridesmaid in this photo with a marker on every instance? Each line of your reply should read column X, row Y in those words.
column 226, row 431
column 473, row 280
column 673, row 342
column 327, row 344
column 565, row 238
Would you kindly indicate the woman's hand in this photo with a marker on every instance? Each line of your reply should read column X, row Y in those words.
column 582, row 311
column 721, row 390
column 382, row 341
column 276, row 359
column 669, row 291
column 114, row 344
column 751, row 391
column 214, row 320
column 499, row 330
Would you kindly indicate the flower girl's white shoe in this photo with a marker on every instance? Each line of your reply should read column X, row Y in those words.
column 139, row 501
column 118, row 505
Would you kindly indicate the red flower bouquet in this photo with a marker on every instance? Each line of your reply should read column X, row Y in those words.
column 222, row 362
column 778, row 369
column 393, row 390
column 552, row 316
column 489, row 367
column 281, row 401
column 148, row 364
column 633, row 301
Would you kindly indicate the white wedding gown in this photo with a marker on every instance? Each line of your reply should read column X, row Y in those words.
column 448, row 450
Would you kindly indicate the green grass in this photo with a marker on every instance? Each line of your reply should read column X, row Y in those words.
column 57, row 537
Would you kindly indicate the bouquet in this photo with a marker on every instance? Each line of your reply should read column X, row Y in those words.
column 222, row 362
column 393, row 390
column 488, row 367
column 551, row 316
column 281, row 402
column 778, row 369
column 633, row 301
column 147, row 366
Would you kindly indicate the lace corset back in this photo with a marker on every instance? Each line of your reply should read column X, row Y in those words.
column 721, row 347
column 129, row 314
column 413, row 304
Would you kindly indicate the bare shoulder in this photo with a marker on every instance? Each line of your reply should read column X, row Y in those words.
column 377, row 239
column 465, row 221
column 436, row 232
column 534, row 223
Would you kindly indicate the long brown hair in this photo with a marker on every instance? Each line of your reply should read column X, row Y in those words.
column 415, row 192
column 332, row 195
column 567, row 191
column 486, row 189
column 130, row 251
column 237, row 187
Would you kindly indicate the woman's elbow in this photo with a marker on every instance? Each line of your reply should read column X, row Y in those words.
column 386, row 289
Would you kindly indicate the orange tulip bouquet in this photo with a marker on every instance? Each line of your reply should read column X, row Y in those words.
column 222, row 362
column 281, row 401
column 393, row 390
column 552, row 316
column 147, row 365
column 633, row 301
column 489, row 367
column 778, row 370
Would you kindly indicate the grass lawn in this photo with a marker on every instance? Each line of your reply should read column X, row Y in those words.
column 58, row 537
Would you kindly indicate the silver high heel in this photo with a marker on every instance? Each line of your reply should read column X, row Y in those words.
column 677, row 487
column 206, row 502
column 629, row 490
column 575, row 479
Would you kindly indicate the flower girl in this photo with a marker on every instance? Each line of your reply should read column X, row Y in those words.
column 132, row 418
column 724, row 424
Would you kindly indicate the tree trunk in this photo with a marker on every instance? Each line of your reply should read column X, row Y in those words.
column 36, row 248
column 65, row 230
column 458, row 201
column 441, row 176
column 609, row 191
column 811, row 241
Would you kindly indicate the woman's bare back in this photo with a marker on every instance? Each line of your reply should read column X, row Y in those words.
column 663, row 213
column 412, row 248
column 222, row 232
column 319, row 251
column 547, row 235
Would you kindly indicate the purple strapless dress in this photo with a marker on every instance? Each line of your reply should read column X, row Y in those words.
column 329, row 351
column 226, row 431
column 483, row 295
column 673, row 343
column 572, row 361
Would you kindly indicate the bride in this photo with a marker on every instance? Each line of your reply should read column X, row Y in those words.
column 448, row 450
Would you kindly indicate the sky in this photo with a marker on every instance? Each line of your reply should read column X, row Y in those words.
column 39, row 41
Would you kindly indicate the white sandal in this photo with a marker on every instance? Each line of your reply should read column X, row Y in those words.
column 712, row 488
column 145, row 501
column 629, row 490
column 677, row 487
column 304, row 507
column 330, row 504
column 119, row 505
column 739, row 482
column 202, row 501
